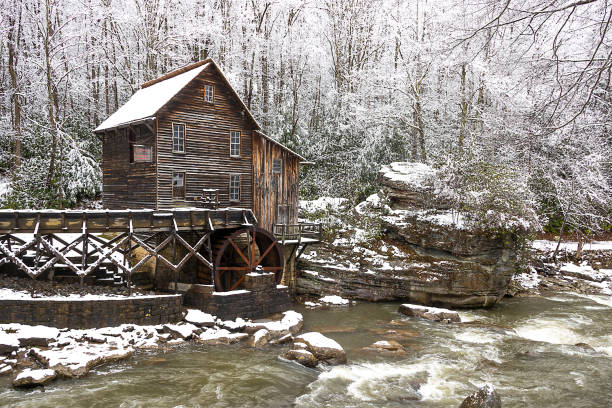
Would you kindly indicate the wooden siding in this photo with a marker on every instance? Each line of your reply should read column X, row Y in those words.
column 206, row 161
column 273, row 189
column 127, row 185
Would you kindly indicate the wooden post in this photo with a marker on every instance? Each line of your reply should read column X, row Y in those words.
column 129, row 241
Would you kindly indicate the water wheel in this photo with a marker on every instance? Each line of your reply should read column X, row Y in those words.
column 241, row 251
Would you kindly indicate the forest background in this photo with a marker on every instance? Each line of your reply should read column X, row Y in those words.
column 511, row 100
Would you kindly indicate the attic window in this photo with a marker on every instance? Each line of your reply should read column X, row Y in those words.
column 209, row 93
column 234, row 144
column 178, row 138
column 277, row 166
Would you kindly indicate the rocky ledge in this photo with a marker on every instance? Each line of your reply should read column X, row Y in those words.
column 404, row 243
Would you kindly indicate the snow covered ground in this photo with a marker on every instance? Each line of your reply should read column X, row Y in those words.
column 549, row 246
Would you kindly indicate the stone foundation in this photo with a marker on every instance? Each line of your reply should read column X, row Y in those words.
column 260, row 297
column 85, row 314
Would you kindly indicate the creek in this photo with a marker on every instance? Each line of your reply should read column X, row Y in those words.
column 525, row 347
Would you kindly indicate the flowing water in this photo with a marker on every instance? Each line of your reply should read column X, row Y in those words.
column 524, row 346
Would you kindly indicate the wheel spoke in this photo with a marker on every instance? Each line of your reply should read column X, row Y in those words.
column 246, row 261
column 238, row 282
column 266, row 252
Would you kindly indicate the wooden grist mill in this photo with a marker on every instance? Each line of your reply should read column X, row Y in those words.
column 191, row 182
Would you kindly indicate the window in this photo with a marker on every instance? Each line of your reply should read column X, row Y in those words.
column 234, row 144
column 209, row 92
column 178, row 185
column 141, row 153
column 178, row 138
column 234, row 187
column 277, row 166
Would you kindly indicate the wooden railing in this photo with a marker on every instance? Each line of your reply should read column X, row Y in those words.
column 297, row 232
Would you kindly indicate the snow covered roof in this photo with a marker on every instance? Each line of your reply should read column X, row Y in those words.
column 154, row 94
column 147, row 101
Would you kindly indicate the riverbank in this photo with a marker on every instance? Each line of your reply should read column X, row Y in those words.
column 510, row 345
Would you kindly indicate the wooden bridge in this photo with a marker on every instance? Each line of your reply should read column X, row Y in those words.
column 82, row 241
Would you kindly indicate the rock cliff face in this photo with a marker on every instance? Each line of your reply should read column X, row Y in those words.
column 423, row 252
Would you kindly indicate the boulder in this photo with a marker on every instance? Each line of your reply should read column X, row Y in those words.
column 181, row 331
column 213, row 336
column 290, row 323
column 29, row 377
column 94, row 337
column 259, row 338
column 37, row 336
column 233, row 325
column 75, row 361
column 5, row 369
column 8, row 343
column 434, row 314
column 486, row 397
column 391, row 347
column 334, row 300
column 323, row 348
column 303, row 357
column 199, row 318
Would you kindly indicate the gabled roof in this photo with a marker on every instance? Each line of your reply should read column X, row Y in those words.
column 155, row 94
column 147, row 101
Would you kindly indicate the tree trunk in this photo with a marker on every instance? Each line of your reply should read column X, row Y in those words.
column 14, row 35
column 463, row 106
column 50, row 92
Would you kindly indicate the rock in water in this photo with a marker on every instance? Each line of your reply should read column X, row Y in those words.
column 435, row 314
column 323, row 348
column 29, row 377
column 486, row 397
column 303, row 357
column 260, row 338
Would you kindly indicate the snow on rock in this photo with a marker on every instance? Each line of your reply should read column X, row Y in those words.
column 199, row 318
column 312, row 304
column 334, row 300
column 94, row 337
column 5, row 369
column 183, row 331
column 76, row 360
column 39, row 336
column 8, row 343
column 259, row 338
column 323, row 348
column 220, row 336
column 29, row 377
column 430, row 313
column 387, row 347
column 233, row 325
column 583, row 271
column 291, row 323
column 373, row 201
